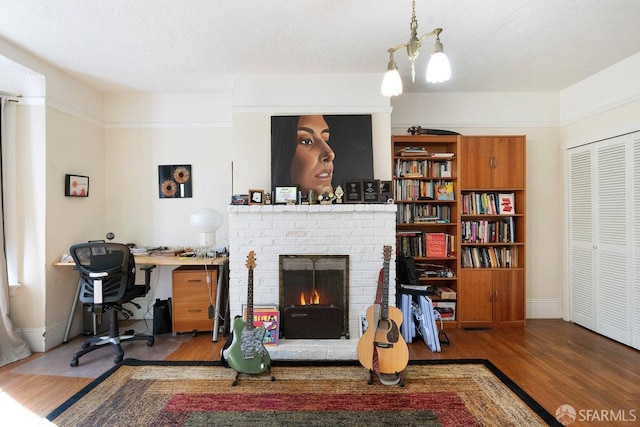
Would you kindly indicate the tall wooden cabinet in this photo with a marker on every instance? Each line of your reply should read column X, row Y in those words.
column 425, row 188
column 484, row 219
column 491, row 279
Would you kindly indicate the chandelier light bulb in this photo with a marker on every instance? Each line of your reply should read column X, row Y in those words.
column 438, row 70
column 391, row 83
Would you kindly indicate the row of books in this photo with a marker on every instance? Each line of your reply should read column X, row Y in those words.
column 483, row 231
column 418, row 213
column 489, row 257
column 432, row 245
column 488, row 203
column 422, row 168
column 413, row 189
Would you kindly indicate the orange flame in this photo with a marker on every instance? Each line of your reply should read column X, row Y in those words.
column 314, row 299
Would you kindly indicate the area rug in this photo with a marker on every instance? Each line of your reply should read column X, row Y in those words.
column 94, row 364
column 435, row 393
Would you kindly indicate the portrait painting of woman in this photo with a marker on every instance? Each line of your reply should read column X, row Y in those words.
column 318, row 152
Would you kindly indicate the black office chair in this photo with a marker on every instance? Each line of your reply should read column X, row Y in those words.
column 108, row 272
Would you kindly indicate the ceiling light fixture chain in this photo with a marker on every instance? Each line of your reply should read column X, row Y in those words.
column 438, row 69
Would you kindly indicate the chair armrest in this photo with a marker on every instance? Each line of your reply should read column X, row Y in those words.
column 147, row 267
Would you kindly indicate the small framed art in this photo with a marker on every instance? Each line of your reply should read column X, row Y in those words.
column 76, row 186
column 286, row 195
column 256, row 197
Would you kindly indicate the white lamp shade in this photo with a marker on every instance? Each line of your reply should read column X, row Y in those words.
column 206, row 221
column 391, row 84
column 438, row 70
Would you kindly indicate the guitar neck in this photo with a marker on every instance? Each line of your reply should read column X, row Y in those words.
column 249, row 322
column 384, row 303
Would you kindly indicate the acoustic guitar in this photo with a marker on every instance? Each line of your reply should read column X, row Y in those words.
column 383, row 337
column 247, row 353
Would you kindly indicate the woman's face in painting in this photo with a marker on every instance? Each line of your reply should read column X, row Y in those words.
column 312, row 164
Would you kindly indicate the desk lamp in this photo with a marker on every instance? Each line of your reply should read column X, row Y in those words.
column 206, row 221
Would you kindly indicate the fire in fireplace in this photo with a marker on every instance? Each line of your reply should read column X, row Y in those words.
column 314, row 296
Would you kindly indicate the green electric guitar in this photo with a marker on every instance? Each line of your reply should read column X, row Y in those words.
column 247, row 353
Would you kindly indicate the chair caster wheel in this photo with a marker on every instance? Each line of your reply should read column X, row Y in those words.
column 73, row 363
column 117, row 360
column 86, row 345
column 150, row 342
column 194, row 333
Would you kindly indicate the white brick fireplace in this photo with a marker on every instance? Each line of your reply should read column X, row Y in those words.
column 358, row 230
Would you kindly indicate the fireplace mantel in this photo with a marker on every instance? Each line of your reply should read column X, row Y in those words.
column 359, row 230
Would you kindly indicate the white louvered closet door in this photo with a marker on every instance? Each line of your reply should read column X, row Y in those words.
column 635, row 282
column 613, row 235
column 604, row 237
column 582, row 283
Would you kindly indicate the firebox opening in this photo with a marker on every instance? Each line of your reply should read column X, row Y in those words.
column 314, row 296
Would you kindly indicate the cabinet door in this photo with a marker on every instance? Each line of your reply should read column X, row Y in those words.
column 508, row 162
column 192, row 296
column 475, row 162
column 508, row 296
column 475, row 302
column 492, row 162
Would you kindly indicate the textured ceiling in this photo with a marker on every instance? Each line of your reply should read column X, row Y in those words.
column 196, row 46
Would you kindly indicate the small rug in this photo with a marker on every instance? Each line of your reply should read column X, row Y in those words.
column 435, row 393
column 94, row 364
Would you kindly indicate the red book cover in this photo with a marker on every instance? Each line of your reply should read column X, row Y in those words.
column 436, row 244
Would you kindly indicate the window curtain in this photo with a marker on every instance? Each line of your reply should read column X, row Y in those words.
column 12, row 346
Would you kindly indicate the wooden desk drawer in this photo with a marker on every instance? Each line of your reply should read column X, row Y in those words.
column 191, row 298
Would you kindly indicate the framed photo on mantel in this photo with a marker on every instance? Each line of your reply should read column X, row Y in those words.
column 353, row 191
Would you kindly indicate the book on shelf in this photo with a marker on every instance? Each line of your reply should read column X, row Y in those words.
column 267, row 317
column 506, row 203
column 438, row 245
column 445, row 191
column 447, row 155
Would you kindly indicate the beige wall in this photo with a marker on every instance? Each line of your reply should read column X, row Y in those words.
column 119, row 140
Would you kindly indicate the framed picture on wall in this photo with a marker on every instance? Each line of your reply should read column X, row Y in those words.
column 76, row 186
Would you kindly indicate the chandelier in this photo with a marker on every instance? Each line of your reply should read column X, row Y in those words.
column 438, row 69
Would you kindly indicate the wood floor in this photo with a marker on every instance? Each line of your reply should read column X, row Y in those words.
column 555, row 362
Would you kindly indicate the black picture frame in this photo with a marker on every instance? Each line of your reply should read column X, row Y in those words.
column 371, row 191
column 386, row 192
column 285, row 195
column 76, row 185
column 353, row 191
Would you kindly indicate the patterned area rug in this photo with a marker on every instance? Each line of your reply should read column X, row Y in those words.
column 435, row 393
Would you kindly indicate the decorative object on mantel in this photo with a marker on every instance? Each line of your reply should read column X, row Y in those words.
column 354, row 191
column 256, row 197
column 285, row 195
column 339, row 193
column 175, row 181
column 76, row 186
column 438, row 69
column 240, row 199
column 419, row 130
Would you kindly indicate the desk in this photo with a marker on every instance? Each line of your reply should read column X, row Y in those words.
column 161, row 261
